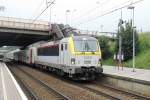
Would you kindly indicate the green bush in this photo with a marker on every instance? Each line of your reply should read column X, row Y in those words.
column 126, row 33
column 142, row 60
column 105, row 48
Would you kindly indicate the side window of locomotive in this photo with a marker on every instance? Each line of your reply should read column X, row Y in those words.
column 61, row 47
column 65, row 46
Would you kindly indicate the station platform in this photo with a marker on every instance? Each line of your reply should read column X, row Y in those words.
column 9, row 88
column 140, row 75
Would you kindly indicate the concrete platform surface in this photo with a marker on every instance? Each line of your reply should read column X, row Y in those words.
column 139, row 74
column 9, row 88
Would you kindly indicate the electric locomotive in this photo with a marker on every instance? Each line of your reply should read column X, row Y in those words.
column 78, row 57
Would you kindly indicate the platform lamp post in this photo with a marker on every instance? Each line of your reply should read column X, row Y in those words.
column 67, row 11
column 132, row 8
column 121, row 22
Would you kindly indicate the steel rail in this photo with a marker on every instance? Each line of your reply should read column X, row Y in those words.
column 50, row 89
column 31, row 93
column 127, row 92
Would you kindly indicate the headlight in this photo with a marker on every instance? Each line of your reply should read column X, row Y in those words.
column 73, row 61
column 100, row 62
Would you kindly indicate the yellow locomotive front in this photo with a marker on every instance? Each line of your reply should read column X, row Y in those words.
column 85, row 57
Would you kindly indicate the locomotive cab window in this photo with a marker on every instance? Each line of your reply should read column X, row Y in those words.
column 86, row 45
column 61, row 47
column 65, row 46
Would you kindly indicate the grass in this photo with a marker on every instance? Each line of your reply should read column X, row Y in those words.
column 142, row 59
column 108, row 62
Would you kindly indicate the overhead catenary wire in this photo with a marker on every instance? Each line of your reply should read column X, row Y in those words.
column 101, row 8
column 38, row 8
column 120, row 4
column 111, row 7
column 91, row 10
column 43, row 11
column 109, row 12
column 115, row 7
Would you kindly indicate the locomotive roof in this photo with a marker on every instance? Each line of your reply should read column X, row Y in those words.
column 44, row 43
column 83, row 37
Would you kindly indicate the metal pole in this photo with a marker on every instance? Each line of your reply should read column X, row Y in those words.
column 66, row 17
column 133, row 54
column 120, row 40
column 102, row 28
column 55, row 20
column 50, row 14
column 133, row 44
column 67, row 11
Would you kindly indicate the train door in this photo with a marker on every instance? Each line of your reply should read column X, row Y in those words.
column 30, row 56
column 64, row 54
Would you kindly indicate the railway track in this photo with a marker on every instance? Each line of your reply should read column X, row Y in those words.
column 30, row 94
column 56, row 95
column 114, row 93
column 97, row 88
column 100, row 93
column 101, row 96
column 109, row 92
column 92, row 90
column 122, row 91
column 136, row 95
column 118, row 94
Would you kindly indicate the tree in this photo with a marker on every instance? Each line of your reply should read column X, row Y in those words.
column 103, row 41
column 126, row 33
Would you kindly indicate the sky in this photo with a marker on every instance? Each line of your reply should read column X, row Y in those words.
column 82, row 14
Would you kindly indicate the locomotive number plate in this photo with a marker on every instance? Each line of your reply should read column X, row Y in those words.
column 87, row 57
column 87, row 62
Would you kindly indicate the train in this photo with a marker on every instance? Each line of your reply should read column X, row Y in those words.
column 76, row 57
